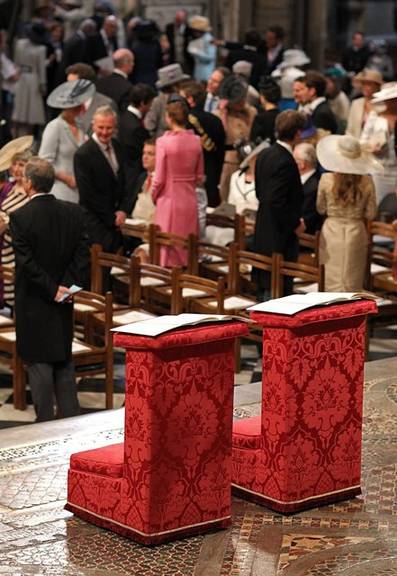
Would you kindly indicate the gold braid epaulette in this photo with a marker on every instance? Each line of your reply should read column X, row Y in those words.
column 206, row 141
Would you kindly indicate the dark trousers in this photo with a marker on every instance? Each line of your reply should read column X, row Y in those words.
column 57, row 379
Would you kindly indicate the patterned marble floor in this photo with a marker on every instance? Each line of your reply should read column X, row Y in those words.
column 353, row 538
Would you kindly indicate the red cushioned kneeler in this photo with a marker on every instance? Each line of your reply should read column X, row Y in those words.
column 305, row 450
column 171, row 477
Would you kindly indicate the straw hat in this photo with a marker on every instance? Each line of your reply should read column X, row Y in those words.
column 388, row 92
column 255, row 151
column 344, row 154
column 16, row 146
column 169, row 75
column 368, row 75
column 200, row 23
column 71, row 94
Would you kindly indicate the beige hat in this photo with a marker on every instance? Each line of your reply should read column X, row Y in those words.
column 388, row 92
column 368, row 75
column 344, row 154
column 200, row 23
column 16, row 146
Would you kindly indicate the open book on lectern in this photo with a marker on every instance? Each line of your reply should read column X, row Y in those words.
column 290, row 305
column 162, row 324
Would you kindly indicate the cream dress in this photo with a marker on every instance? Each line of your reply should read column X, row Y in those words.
column 344, row 238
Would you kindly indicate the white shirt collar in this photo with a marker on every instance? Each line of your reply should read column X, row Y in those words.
column 285, row 145
column 39, row 194
column 101, row 146
column 305, row 177
column 314, row 103
column 135, row 111
column 120, row 73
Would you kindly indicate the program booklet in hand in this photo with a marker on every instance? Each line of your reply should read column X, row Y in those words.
column 162, row 324
column 290, row 305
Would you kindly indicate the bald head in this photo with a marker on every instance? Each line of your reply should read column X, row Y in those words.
column 110, row 26
column 123, row 60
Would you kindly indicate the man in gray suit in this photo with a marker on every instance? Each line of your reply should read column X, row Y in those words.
column 87, row 72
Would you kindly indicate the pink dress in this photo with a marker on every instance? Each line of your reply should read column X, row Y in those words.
column 179, row 165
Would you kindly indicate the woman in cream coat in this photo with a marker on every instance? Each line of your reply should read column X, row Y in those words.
column 347, row 198
column 62, row 137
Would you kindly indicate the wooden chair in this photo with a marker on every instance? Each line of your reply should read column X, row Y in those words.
column 305, row 273
column 134, row 228
column 159, row 239
column 380, row 279
column 93, row 351
column 183, row 283
column 8, row 350
column 150, row 278
column 309, row 248
column 380, row 258
column 210, row 260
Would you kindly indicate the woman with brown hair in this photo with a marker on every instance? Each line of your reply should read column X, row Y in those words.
column 347, row 197
column 179, row 169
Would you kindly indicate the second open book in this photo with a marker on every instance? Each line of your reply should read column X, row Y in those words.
column 295, row 303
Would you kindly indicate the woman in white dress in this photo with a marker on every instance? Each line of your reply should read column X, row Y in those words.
column 62, row 136
column 30, row 59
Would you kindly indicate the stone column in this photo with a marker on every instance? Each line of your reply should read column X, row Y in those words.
column 317, row 32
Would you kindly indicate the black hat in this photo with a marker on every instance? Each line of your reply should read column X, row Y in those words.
column 233, row 88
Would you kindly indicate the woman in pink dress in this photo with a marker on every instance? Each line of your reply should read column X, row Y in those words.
column 179, row 169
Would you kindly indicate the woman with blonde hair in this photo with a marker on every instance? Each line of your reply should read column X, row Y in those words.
column 347, row 197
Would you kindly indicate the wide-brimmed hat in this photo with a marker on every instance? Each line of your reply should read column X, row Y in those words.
column 37, row 33
column 169, row 75
column 368, row 75
column 16, row 146
column 200, row 23
column 388, row 92
column 255, row 150
column 345, row 154
column 294, row 57
column 71, row 94
column 233, row 88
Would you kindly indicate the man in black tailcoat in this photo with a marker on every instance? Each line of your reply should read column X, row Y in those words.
column 100, row 177
column 132, row 133
column 212, row 135
column 51, row 254
column 280, row 194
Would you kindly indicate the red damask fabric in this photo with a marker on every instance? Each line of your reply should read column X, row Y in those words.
column 311, row 420
column 107, row 461
column 177, row 446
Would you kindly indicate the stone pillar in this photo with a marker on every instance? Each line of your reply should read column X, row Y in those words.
column 317, row 32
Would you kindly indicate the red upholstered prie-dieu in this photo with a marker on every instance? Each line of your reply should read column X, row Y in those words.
column 308, row 451
column 177, row 448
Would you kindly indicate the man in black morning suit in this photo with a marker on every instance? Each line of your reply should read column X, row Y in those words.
column 280, row 194
column 132, row 133
column 100, row 177
column 51, row 253
column 117, row 86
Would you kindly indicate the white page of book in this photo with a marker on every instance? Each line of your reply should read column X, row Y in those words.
column 162, row 324
column 297, row 302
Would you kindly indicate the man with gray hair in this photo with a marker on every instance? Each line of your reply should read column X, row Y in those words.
column 51, row 255
column 99, row 166
column 117, row 86
column 306, row 159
